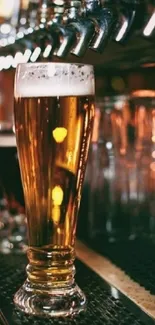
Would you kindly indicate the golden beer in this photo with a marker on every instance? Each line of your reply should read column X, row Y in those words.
column 53, row 120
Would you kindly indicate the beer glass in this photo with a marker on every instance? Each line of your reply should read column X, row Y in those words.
column 54, row 110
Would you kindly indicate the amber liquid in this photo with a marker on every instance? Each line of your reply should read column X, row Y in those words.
column 53, row 136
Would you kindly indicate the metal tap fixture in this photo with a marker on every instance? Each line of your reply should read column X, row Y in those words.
column 74, row 26
column 131, row 17
column 105, row 19
column 75, row 31
column 83, row 28
column 86, row 24
column 63, row 35
column 149, row 28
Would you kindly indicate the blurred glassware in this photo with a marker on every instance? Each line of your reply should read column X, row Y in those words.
column 9, row 11
column 4, row 222
column 120, row 177
column 12, row 216
column 143, row 102
column 6, row 100
column 17, row 17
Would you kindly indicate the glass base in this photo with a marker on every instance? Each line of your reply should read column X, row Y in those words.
column 48, row 301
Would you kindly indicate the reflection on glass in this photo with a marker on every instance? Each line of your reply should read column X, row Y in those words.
column 59, row 134
column 57, row 197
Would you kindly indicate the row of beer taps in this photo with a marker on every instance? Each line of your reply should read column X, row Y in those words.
column 91, row 23
column 74, row 26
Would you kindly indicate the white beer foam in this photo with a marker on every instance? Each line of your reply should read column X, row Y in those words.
column 54, row 79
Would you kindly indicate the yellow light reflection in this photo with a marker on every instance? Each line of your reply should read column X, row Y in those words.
column 59, row 134
column 57, row 195
column 56, row 214
column 153, row 138
column 153, row 154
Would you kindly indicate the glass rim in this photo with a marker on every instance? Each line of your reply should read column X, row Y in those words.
column 56, row 63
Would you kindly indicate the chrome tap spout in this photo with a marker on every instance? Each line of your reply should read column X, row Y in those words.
column 66, row 37
column 84, row 30
column 131, row 17
column 105, row 21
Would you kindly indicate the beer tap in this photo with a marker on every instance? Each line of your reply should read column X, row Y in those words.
column 73, row 26
column 63, row 36
column 84, row 29
column 66, row 41
column 91, row 24
column 130, row 18
column 104, row 17
column 76, row 31
column 150, row 24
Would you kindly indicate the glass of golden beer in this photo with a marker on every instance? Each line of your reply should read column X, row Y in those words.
column 54, row 110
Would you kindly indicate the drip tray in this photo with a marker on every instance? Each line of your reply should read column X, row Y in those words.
column 106, row 305
column 136, row 258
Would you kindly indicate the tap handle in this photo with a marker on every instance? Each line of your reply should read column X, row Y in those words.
column 66, row 37
column 105, row 24
column 124, row 26
column 84, row 30
column 131, row 17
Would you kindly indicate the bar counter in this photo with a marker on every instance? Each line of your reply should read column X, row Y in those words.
column 119, row 286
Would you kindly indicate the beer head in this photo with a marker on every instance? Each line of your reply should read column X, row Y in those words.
column 54, row 79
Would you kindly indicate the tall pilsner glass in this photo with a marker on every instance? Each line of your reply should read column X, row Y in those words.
column 54, row 110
